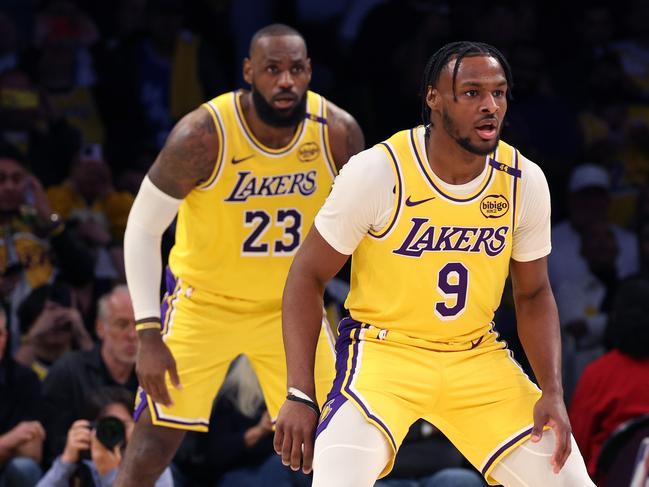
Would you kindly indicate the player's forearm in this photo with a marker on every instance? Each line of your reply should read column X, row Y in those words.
column 538, row 330
column 151, row 214
column 301, row 323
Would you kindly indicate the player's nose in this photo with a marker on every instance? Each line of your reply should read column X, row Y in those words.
column 285, row 79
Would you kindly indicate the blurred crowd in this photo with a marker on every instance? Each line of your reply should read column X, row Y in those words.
column 90, row 90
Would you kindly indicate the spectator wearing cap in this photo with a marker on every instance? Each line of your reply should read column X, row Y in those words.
column 34, row 242
column 588, row 202
column 50, row 327
column 21, row 434
column 111, row 363
column 614, row 388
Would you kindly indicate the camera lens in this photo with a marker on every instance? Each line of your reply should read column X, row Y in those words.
column 110, row 431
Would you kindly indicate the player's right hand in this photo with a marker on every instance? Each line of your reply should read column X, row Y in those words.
column 154, row 360
column 295, row 426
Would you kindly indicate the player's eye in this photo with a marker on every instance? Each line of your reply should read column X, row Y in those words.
column 471, row 93
column 498, row 93
column 272, row 69
column 297, row 69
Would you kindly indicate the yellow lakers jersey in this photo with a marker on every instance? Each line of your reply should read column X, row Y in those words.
column 437, row 270
column 237, row 233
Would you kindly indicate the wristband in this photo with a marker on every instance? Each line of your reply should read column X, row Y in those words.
column 150, row 325
column 296, row 395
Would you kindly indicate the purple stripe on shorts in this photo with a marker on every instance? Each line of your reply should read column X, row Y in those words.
column 503, row 448
column 349, row 329
column 141, row 405
column 170, row 284
column 335, row 398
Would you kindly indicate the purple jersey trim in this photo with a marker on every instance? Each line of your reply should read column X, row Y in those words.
column 432, row 183
column 515, row 188
column 512, row 171
column 399, row 195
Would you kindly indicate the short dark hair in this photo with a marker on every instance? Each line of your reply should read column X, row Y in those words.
column 97, row 400
column 629, row 323
column 458, row 51
column 8, row 151
column 273, row 30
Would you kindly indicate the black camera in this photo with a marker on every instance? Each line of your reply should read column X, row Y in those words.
column 110, row 431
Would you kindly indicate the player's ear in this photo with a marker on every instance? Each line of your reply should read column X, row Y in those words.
column 308, row 67
column 247, row 70
column 433, row 98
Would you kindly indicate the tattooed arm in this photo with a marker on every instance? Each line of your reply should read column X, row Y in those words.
column 189, row 155
column 345, row 135
column 186, row 160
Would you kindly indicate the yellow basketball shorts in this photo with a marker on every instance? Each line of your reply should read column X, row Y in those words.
column 478, row 396
column 205, row 333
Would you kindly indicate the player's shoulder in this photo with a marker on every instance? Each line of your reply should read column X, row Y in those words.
column 370, row 166
column 337, row 115
column 345, row 135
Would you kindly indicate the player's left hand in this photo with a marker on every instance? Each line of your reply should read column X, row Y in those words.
column 295, row 426
column 550, row 410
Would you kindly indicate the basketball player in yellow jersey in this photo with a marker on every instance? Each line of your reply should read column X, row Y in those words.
column 246, row 172
column 435, row 218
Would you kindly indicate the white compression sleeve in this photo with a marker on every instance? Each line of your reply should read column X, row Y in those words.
column 350, row 452
column 151, row 213
column 529, row 466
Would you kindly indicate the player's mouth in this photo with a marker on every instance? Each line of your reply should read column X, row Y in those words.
column 487, row 129
column 284, row 102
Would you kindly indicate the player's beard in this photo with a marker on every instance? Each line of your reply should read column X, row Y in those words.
column 275, row 117
column 451, row 129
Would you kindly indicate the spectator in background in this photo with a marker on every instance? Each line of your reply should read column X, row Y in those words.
column 34, row 243
column 101, row 468
column 95, row 211
column 588, row 203
column 21, row 435
column 50, row 327
column 27, row 122
column 585, row 302
column 614, row 388
column 75, row 376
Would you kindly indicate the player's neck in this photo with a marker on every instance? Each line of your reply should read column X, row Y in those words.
column 450, row 162
column 270, row 136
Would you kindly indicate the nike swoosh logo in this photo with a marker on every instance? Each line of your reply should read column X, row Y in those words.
column 409, row 202
column 237, row 161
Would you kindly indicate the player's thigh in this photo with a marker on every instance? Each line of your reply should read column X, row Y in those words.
column 528, row 465
column 487, row 404
column 203, row 342
column 349, row 451
column 381, row 380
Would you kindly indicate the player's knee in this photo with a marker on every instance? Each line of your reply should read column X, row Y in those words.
column 150, row 450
